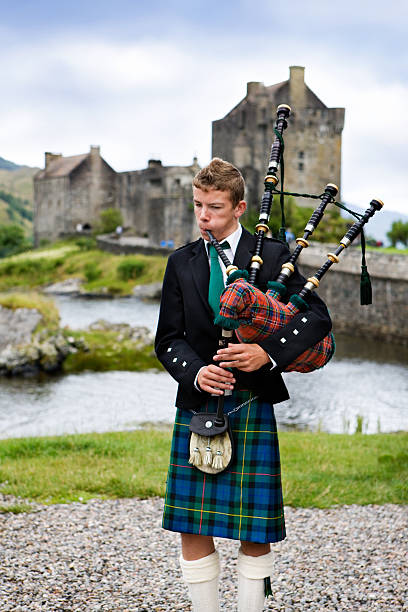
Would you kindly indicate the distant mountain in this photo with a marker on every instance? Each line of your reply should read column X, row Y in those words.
column 380, row 224
column 15, row 210
column 8, row 165
column 16, row 194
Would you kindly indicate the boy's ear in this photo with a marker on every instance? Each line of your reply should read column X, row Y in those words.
column 240, row 208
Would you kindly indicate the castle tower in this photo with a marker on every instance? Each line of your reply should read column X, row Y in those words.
column 312, row 140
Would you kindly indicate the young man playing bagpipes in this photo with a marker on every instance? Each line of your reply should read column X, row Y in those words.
column 243, row 501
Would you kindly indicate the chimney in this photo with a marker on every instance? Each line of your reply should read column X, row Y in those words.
column 154, row 163
column 254, row 88
column 50, row 157
column 95, row 150
column 297, row 89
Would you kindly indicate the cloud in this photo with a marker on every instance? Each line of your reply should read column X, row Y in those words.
column 155, row 95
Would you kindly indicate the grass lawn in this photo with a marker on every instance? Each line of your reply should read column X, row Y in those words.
column 319, row 470
column 117, row 274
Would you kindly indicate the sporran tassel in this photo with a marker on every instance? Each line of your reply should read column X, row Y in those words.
column 195, row 457
column 218, row 463
column 208, row 454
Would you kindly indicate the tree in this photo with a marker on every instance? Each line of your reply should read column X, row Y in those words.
column 110, row 218
column 398, row 233
column 12, row 240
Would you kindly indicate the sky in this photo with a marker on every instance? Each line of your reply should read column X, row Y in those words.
column 145, row 79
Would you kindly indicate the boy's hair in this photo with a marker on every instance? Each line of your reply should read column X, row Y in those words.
column 222, row 176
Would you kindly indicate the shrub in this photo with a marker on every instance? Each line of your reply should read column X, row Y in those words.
column 92, row 272
column 12, row 240
column 110, row 219
column 131, row 268
column 85, row 243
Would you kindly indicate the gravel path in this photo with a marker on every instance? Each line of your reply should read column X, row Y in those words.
column 114, row 556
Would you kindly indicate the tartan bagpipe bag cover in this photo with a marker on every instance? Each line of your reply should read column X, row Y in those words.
column 261, row 314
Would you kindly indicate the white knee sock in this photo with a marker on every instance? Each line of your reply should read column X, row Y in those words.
column 202, row 576
column 251, row 586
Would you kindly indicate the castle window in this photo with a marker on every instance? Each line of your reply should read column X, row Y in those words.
column 177, row 182
column 300, row 166
column 243, row 119
column 156, row 182
column 301, row 155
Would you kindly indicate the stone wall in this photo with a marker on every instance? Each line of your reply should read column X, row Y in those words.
column 386, row 319
column 91, row 190
column 157, row 202
column 130, row 246
column 50, row 204
column 64, row 199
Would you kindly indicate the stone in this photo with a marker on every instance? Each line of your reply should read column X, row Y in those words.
column 148, row 292
column 17, row 325
column 70, row 286
column 24, row 353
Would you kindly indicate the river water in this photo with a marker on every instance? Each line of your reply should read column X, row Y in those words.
column 366, row 383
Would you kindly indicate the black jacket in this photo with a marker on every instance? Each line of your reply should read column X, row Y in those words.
column 187, row 338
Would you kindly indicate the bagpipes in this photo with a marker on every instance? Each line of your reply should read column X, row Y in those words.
column 255, row 315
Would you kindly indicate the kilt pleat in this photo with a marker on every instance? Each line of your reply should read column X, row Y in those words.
column 245, row 501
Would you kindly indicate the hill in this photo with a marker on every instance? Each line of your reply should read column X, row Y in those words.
column 16, row 195
column 15, row 210
column 8, row 165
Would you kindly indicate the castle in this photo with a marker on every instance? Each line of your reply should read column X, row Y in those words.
column 156, row 201
column 72, row 191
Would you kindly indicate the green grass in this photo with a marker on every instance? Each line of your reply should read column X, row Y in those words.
column 326, row 469
column 16, row 508
column 389, row 250
column 319, row 470
column 67, row 259
column 81, row 467
column 106, row 353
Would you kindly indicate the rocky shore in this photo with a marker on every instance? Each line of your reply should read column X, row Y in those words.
column 45, row 353
column 113, row 556
column 74, row 288
column 24, row 351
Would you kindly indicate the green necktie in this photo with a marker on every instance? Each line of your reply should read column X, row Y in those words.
column 216, row 286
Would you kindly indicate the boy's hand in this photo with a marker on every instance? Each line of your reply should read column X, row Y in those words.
column 214, row 379
column 245, row 357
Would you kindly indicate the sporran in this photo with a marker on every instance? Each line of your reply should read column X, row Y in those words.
column 211, row 444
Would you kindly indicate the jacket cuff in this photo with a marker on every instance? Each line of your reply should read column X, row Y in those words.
column 302, row 332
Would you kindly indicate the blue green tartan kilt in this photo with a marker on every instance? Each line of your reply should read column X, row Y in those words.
column 245, row 501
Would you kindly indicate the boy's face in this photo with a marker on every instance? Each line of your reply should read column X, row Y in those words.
column 214, row 211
